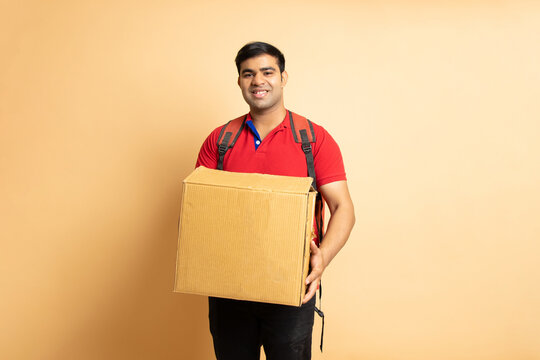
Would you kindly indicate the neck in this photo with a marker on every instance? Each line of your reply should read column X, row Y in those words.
column 268, row 119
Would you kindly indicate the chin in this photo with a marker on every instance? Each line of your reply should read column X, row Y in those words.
column 258, row 106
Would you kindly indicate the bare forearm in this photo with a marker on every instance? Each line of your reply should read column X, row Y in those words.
column 339, row 228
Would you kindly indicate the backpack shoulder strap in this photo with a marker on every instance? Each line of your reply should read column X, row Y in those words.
column 228, row 136
column 299, row 123
column 303, row 133
column 302, row 130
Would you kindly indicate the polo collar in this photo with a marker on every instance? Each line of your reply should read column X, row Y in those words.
column 284, row 124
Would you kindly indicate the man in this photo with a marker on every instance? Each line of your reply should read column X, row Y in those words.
column 266, row 145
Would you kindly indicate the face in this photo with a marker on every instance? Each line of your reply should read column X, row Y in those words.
column 262, row 83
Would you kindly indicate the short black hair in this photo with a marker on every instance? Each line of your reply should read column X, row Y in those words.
column 257, row 48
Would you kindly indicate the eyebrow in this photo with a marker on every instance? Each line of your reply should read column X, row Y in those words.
column 261, row 69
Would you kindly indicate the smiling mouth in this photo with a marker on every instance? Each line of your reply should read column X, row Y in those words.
column 259, row 93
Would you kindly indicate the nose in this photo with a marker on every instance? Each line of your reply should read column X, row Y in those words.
column 257, row 79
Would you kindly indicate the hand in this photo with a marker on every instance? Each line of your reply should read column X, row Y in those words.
column 317, row 268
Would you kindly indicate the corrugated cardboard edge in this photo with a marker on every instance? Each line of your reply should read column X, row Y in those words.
column 308, row 237
column 305, row 261
column 192, row 178
column 175, row 289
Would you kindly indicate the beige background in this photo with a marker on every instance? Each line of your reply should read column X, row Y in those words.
column 103, row 107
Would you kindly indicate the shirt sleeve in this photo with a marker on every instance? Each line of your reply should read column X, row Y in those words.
column 328, row 160
column 208, row 154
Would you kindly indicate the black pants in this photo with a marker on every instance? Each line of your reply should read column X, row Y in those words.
column 239, row 328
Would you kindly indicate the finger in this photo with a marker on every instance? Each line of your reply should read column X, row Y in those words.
column 314, row 274
column 313, row 247
column 311, row 291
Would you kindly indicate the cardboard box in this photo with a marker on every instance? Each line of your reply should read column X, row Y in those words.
column 245, row 236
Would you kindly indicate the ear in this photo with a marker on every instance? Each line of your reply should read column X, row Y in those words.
column 284, row 77
column 238, row 81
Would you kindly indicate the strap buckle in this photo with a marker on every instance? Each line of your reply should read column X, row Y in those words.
column 222, row 149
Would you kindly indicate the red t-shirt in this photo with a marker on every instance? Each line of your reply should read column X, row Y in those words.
column 277, row 154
